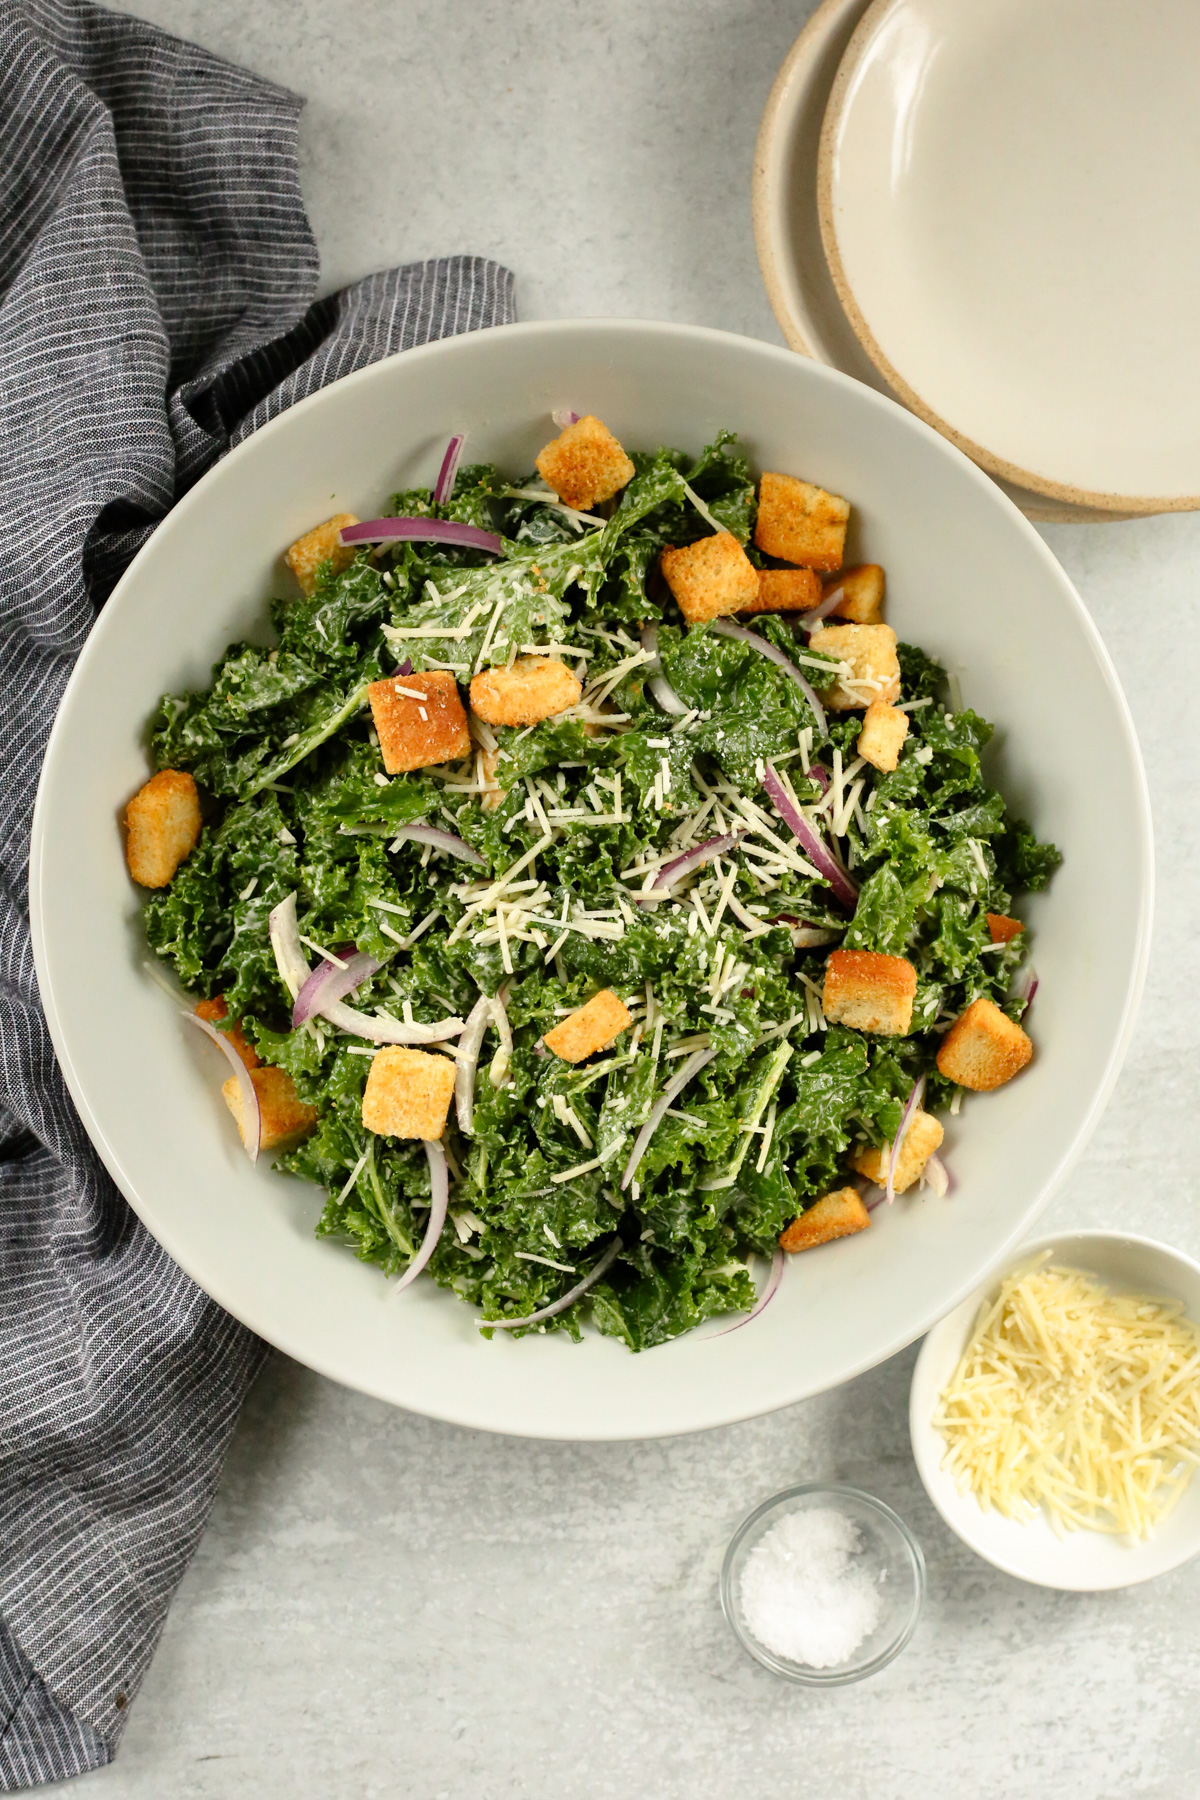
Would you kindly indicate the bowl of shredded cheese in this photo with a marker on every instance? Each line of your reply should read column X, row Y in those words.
column 1055, row 1415
column 823, row 1584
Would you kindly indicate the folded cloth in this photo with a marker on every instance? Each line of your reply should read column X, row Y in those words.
column 156, row 281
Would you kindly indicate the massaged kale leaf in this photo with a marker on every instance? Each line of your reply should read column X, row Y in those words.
column 577, row 820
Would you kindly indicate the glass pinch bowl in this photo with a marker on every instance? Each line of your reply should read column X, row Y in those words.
column 887, row 1552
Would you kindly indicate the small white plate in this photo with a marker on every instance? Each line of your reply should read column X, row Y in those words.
column 1082, row 1561
column 1008, row 196
column 787, row 227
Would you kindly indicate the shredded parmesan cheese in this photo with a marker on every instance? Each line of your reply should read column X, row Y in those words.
column 1075, row 1399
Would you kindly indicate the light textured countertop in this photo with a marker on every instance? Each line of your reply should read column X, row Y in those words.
column 386, row 1606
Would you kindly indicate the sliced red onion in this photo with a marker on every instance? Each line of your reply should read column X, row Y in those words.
column 822, row 609
column 820, row 774
column 563, row 416
column 430, row 531
column 439, row 1182
column 1026, row 986
column 466, row 1061
column 328, row 982
column 906, row 1118
column 404, row 669
column 683, row 865
column 691, row 1067
column 383, row 1029
column 876, row 1196
column 830, row 870
column 658, row 685
column 449, row 469
column 290, row 959
column 561, row 1304
column 725, row 628
column 441, row 840
column 664, row 694
column 938, row 1176
column 503, row 1056
column 251, row 1111
column 765, row 1298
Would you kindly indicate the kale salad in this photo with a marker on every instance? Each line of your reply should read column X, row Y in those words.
column 587, row 889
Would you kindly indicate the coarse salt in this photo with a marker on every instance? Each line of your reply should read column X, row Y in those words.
column 803, row 1594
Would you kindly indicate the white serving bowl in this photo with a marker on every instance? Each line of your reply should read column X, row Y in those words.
column 1080, row 1561
column 969, row 579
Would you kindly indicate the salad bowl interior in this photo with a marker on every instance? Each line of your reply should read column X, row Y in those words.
column 968, row 579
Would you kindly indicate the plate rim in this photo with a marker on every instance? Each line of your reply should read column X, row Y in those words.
column 1099, row 500
column 465, row 1415
column 919, row 1432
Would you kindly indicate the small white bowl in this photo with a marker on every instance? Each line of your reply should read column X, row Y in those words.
column 1082, row 1561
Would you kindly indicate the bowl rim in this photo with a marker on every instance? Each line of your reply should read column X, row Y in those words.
column 919, row 1429
column 1099, row 500
column 291, row 1341
column 800, row 1674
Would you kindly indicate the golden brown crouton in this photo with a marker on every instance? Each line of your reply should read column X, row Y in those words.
column 983, row 1049
column 869, row 992
column 786, row 590
column 285, row 1117
column 801, row 523
column 835, row 1215
column 305, row 556
column 589, row 1028
column 163, row 825
column 711, row 577
column 884, row 729
column 419, row 720
column 585, row 464
column 536, row 687
column 870, row 650
column 215, row 1009
column 918, row 1144
column 862, row 590
column 407, row 1093
column 1001, row 928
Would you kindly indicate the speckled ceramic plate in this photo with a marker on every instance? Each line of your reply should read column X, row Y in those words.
column 787, row 227
column 1008, row 193
column 968, row 578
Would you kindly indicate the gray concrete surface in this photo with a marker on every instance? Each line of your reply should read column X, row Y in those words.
column 386, row 1606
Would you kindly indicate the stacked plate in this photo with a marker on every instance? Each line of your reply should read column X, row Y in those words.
column 988, row 210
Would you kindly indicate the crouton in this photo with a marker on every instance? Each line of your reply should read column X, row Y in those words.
column 870, row 650
column 585, row 464
column 162, row 823
column 801, row 523
column 536, row 687
column 983, row 1049
column 589, row 1028
column 835, row 1215
column 1001, row 928
column 884, row 729
column 862, row 591
column 869, row 992
column 918, row 1144
column 407, row 1093
column 217, row 1008
column 413, row 731
column 786, row 590
column 711, row 577
column 305, row 556
column 284, row 1115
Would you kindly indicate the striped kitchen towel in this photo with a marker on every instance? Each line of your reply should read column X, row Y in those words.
column 157, row 275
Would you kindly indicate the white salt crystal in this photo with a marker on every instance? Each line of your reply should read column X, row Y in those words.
column 802, row 1593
